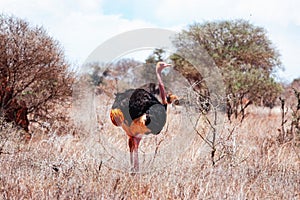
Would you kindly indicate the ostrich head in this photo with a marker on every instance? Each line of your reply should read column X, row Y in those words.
column 159, row 67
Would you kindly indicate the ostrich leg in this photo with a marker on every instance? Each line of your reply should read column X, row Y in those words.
column 133, row 143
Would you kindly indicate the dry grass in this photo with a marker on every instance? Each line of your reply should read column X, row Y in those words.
column 251, row 163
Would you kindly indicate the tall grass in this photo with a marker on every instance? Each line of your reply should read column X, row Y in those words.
column 251, row 164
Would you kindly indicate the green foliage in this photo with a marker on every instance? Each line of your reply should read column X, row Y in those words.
column 243, row 52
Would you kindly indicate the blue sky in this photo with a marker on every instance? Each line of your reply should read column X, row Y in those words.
column 81, row 25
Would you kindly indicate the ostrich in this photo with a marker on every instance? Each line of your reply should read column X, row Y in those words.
column 140, row 113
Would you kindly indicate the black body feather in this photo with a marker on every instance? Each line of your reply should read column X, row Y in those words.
column 134, row 103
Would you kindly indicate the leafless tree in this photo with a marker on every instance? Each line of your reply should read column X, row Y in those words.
column 34, row 72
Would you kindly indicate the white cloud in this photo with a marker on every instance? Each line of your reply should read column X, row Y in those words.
column 82, row 25
column 83, row 33
column 279, row 12
column 171, row 11
column 79, row 25
column 280, row 19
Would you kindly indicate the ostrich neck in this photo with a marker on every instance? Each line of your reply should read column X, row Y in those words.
column 161, row 88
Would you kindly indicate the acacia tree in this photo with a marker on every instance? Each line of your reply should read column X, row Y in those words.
column 33, row 70
column 245, row 55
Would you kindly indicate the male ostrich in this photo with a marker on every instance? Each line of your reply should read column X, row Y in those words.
column 139, row 112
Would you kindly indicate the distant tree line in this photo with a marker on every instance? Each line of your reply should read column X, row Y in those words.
column 35, row 76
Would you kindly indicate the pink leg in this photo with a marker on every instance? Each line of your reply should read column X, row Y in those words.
column 136, row 154
column 131, row 148
column 133, row 143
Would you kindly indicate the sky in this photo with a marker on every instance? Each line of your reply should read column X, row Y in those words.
column 82, row 25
